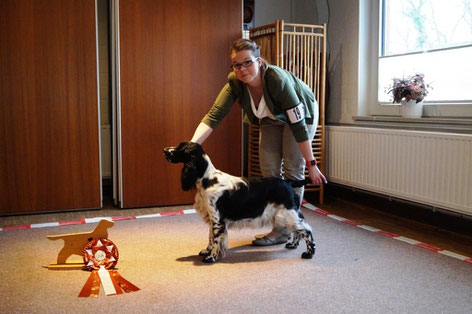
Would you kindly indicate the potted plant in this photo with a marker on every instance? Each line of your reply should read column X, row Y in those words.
column 409, row 92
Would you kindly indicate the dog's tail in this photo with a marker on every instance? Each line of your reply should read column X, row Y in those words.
column 298, row 183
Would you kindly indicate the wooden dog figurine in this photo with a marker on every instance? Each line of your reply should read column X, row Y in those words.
column 74, row 243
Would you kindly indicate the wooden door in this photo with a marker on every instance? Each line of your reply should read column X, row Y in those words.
column 174, row 59
column 49, row 143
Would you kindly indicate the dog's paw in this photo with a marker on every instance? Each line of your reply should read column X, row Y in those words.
column 291, row 245
column 204, row 252
column 307, row 255
column 209, row 259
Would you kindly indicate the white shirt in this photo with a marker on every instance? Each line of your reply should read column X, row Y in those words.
column 262, row 111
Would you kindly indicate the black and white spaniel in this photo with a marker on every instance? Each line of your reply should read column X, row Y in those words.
column 225, row 201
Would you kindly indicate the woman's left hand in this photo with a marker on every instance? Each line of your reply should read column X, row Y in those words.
column 317, row 178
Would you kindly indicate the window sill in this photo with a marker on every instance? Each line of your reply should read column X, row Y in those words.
column 456, row 125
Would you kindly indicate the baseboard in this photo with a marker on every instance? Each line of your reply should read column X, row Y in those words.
column 437, row 217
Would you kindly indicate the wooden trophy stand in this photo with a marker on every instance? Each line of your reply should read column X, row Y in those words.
column 74, row 243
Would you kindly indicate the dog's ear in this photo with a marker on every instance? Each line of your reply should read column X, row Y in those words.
column 201, row 165
column 183, row 145
column 189, row 176
column 192, row 149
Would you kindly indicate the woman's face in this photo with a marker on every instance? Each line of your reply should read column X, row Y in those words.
column 249, row 74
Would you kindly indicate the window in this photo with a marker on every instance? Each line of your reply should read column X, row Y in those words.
column 432, row 37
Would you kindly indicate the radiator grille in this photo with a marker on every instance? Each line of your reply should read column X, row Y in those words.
column 430, row 168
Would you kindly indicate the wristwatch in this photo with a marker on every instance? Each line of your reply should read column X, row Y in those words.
column 311, row 163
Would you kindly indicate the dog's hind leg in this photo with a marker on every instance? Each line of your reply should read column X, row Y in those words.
column 295, row 240
column 294, row 220
column 304, row 229
column 310, row 243
column 289, row 219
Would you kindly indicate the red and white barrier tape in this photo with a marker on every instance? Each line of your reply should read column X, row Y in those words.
column 97, row 219
column 387, row 234
column 304, row 204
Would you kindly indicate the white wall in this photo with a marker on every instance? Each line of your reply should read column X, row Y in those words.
column 343, row 65
column 291, row 11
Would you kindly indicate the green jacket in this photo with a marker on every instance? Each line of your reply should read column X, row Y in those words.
column 282, row 91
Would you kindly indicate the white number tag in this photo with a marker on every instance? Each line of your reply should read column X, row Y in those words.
column 296, row 114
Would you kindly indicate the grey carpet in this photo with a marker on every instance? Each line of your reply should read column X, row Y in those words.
column 354, row 271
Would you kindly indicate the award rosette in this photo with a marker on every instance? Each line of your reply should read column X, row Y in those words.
column 101, row 256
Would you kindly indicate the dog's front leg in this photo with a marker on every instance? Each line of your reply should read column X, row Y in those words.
column 217, row 241
column 207, row 251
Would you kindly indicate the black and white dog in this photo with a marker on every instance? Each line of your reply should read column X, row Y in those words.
column 225, row 201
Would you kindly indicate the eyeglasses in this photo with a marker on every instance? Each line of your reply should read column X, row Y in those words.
column 246, row 64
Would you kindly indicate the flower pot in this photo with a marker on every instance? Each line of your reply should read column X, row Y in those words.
column 411, row 109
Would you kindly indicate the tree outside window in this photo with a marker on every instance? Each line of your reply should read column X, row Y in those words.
column 432, row 37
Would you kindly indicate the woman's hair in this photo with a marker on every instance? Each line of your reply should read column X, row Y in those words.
column 246, row 44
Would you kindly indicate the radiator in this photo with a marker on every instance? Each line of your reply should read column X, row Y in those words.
column 430, row 168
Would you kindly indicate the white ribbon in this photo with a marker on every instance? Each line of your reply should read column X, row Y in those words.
column 105, row 279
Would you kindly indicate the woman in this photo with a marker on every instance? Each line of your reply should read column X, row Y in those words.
column 286, row 111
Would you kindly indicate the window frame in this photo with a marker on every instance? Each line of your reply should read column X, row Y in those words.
column 370, row 38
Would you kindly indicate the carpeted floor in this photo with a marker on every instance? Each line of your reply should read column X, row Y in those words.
column 354, row 271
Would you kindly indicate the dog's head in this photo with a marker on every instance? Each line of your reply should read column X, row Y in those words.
column 192, row 156
column 185, row 152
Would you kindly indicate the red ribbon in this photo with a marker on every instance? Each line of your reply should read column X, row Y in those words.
column 101, row 255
